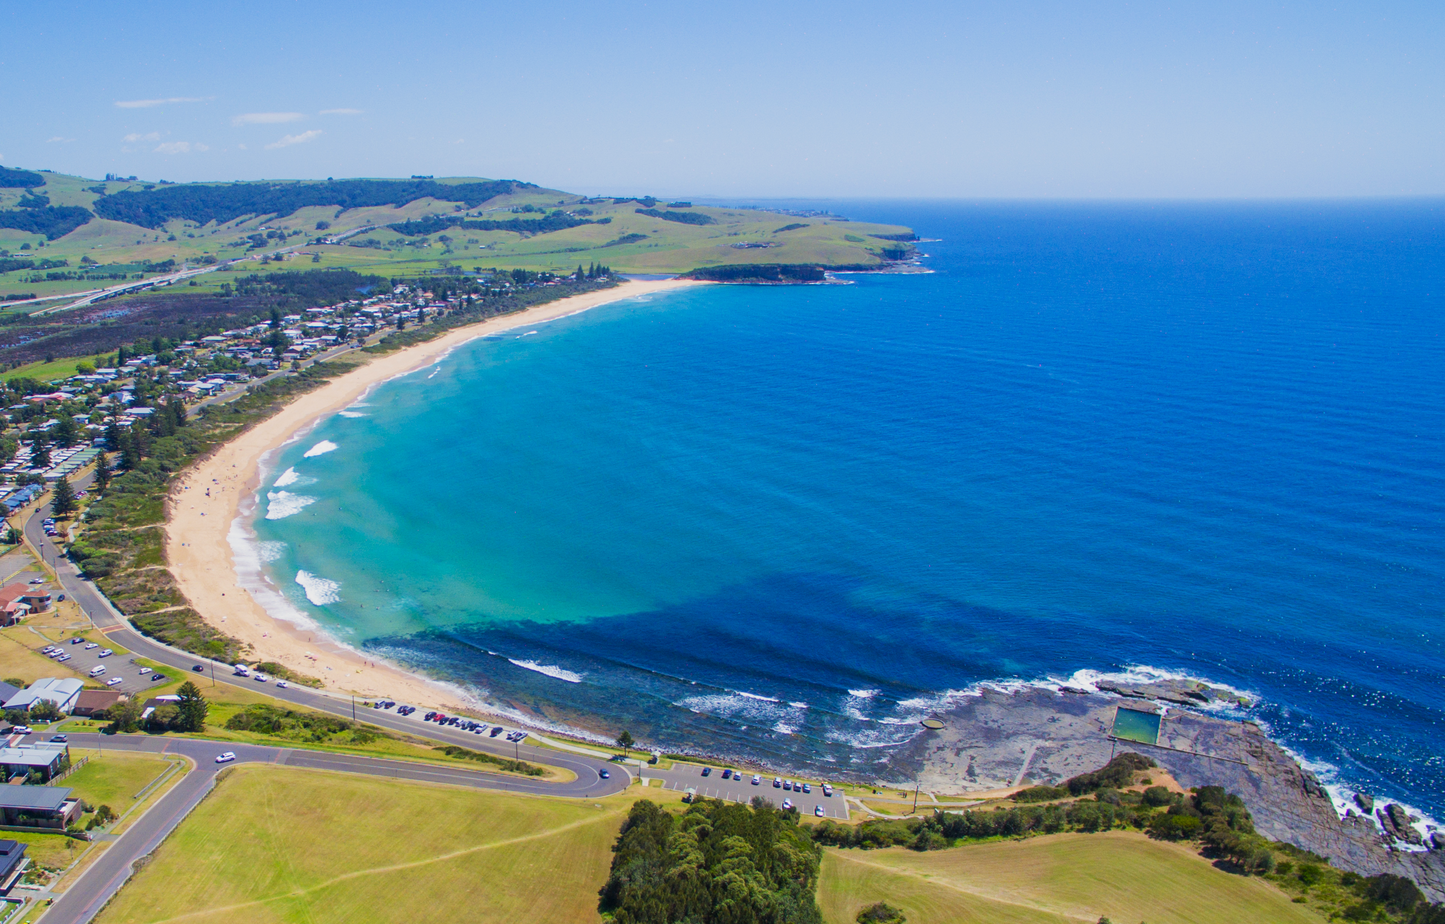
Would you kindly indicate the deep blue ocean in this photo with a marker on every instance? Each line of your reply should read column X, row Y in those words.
column 787, row 522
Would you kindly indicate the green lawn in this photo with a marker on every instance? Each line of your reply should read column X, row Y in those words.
column 51, row 372
column 281, row 845
column 113, row 778
column 1052, row 880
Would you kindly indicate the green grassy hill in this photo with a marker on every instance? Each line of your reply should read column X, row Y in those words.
column 79, row 234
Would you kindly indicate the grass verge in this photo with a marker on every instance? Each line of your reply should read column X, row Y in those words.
column 279, row 844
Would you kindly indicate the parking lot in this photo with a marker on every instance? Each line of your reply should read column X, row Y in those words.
column 133, row 679
column 683, row 777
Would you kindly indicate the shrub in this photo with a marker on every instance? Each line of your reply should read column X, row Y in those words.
column 1040, row 794
column 881, row 913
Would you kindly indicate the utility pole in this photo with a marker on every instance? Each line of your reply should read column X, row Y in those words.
column 916, row 785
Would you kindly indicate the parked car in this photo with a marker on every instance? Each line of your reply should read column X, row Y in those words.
column 226, row 757
column 727, row 774
column 105, row 653
column 77, row 640
column 61, row 598
column 777, row 783
column 64, row 657
column 827, row 790
column 113, row 681
column 807, row 787
column 818, row 810
column 495, row 732
column 90, row 645
column 155, row 677
column 707, row 771
column 756, row 779
column 787, row 804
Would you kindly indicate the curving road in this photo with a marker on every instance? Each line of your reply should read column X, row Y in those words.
column 84, row 897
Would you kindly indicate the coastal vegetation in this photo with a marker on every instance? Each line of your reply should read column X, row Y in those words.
column 121, row 545
column 717, row 863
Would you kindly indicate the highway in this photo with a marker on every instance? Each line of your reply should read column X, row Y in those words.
column 84, row 897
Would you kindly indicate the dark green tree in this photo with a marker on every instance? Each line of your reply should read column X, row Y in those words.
column 193, row 708
column 62, row 503
column 40, row 452
column 626, row 741
column 102, row 473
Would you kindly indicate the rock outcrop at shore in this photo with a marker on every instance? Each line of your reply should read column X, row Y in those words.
column 1000, row 739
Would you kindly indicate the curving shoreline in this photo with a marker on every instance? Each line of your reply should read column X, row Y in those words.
column 198, row 528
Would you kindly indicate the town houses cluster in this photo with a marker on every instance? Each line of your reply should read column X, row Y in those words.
column 51, row 434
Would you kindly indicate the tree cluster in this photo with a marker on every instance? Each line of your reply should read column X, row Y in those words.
column 685, row 218
column 11, row 178
column 718, row 863
column 53, row 221
column 555, row 221
column 204, row 202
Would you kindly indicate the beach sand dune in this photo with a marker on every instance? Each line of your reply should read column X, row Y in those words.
column 198, row 546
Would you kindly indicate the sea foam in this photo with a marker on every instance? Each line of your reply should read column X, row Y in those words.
column 320, row 449
column 283, row 504
column 551, row 670
column 288, row 477
column 319, row 590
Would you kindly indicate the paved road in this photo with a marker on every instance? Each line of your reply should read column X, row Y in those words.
column 96, row 885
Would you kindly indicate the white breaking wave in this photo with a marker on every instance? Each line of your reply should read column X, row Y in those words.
column 551, row 670
column 287, row 477
column 320, row 449
column 863, row 694
column 267, row 552
column 283, row 504
column 319, row 590
column 352, row 414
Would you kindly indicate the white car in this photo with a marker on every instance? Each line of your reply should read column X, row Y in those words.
column 281, row 683
column 105, row 653
column 113, row 681
column 818, row 810
column 262, row 678
column 226, row 757
column 756, row 779
column 787, row 804
column 90, row 645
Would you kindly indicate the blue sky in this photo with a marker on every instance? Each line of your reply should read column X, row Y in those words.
column 955, row 99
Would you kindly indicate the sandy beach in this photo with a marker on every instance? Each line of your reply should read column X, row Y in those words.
column 198, row 546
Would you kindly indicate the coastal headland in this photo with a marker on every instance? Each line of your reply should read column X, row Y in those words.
column 206, row 502
column 1001, row 739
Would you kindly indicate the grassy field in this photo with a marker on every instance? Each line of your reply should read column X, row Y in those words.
column 113, row 778
column 51, row 372
column 281, row 845
column 1052, row 880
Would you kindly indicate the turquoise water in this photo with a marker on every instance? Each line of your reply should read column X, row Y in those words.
column 786, row 523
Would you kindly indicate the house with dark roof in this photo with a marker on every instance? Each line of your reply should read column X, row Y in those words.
column 90, row 702
column 47, row 759
column 12, row 864
column 38, row 807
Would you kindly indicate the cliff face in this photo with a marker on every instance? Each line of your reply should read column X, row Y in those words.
column 1001, row 739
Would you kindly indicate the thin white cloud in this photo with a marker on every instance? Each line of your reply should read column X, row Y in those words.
column 148, row 103
column 265, row 118
column 289, row 140
column 342, row 111
column 180, row 147
column 137, row 136
column 57, row 138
